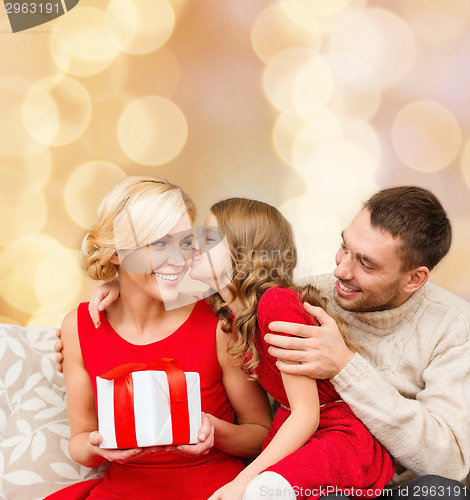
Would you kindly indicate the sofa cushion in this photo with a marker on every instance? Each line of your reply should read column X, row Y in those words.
column 34, row 428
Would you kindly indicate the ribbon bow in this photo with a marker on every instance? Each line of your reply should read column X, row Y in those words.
column 124, row 419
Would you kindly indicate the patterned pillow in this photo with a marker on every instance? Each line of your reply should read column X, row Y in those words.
column 34, row 428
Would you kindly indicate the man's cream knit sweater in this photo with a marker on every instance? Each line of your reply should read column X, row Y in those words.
column 410, row 384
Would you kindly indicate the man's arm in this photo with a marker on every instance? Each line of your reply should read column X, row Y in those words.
column 429, row 434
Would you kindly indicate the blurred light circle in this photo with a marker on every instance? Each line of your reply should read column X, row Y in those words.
column 357, row 88
column 155, row 73
column 285, row 130
column 40, row 115
column 139, row 27
column 21, row 216
column 313, row 86
column 361, row 133
column 25, row 53
column 333, row 22
column 56, row 111
column 340, row 156
column 321, row 7
column 58, row 278
column 15, row 140
column 79, row 44
column 19, row 262
column 341, row 176
column 453, row 272
column 85, row 188
column 465, row 163
column 242, row 15
column 321, row 128
column 21, row 177
column 426, row 136
column 287, row 76
column 12, row 90
column 382, row 39
column 273, row 32
column 316, row 233
column 152, row 130
column 49, row 316
column 180, row 7
column 452, row 18
column 341, row 190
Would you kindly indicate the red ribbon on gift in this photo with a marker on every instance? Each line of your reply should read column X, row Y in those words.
column 124, row 419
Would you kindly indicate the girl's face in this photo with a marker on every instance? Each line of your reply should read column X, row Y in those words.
column 161, row 265
column 211, row 264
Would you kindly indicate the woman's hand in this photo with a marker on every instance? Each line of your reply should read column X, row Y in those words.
column 206, row 440
column 121, row 456
column 102, row 297
column 205, row 436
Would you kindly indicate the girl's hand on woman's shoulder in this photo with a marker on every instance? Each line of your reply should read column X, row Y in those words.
column 101, row 298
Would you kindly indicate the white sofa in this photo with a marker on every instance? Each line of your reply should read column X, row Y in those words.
column 34, row 429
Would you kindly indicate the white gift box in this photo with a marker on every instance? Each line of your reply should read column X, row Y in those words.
column 151, row 406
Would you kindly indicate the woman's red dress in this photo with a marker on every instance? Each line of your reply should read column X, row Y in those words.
column 163, row 475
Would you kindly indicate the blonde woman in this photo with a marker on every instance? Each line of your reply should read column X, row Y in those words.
column 144, row 235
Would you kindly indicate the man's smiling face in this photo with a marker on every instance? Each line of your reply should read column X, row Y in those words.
column 369, row 269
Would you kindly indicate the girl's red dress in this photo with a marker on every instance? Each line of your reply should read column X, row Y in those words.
column 163, row 475
column 342, row 455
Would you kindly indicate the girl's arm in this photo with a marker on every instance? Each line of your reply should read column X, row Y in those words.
column 84, row 440
column 301, row 392
column 249, row 402
column 294, row 433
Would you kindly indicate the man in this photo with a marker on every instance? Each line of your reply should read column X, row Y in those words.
column 410, row 381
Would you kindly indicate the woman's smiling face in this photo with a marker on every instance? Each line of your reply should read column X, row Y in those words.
column 163, row 263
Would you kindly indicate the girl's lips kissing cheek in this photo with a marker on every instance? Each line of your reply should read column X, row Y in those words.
column 344, row 290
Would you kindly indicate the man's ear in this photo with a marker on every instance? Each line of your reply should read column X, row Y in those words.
column 416, row 278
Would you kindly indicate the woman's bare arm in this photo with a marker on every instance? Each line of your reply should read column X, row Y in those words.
column 85, row 439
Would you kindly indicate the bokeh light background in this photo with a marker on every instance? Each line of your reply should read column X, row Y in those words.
column 311, row 105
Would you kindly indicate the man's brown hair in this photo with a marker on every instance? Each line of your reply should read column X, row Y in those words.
column 417, row 217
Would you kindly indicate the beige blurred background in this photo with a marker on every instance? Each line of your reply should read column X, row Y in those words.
column 311, row 105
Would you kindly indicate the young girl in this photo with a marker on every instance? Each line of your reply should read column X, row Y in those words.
column 144, row 234
column 316, row 444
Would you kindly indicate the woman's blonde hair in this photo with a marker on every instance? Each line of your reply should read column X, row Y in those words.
column 137, row 211
column 263, row 256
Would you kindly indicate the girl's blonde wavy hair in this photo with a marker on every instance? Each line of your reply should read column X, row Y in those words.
column 263, row 256
column 137, row 211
